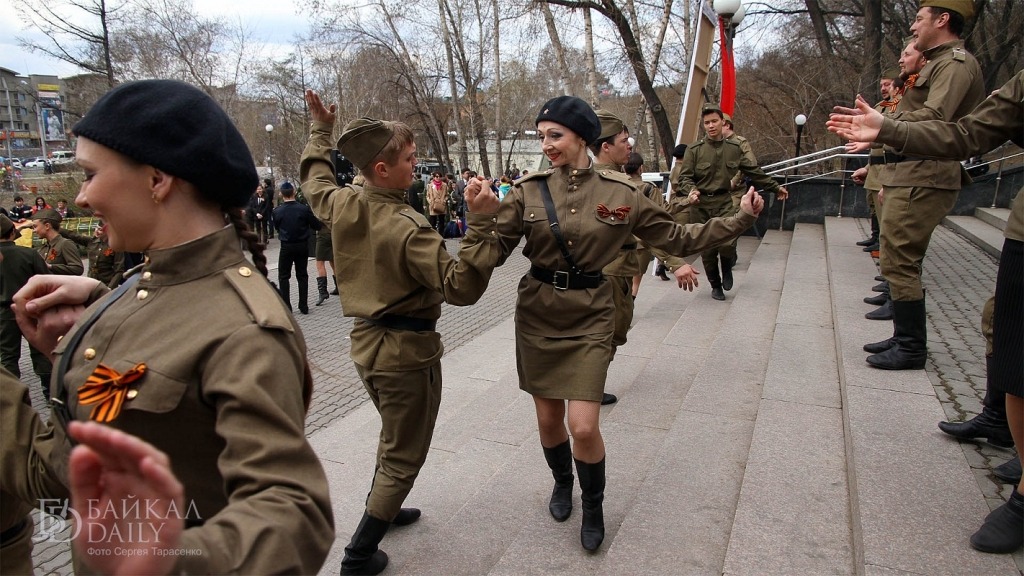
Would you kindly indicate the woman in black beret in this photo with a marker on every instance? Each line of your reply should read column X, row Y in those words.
column 195, row 354
column 564, row 312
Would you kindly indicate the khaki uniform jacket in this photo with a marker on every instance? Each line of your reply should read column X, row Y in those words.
column 736, row 184
column 18, row 266
column 709, row 166
column 62, row 256
column 222, row 396
column 997, row 119
column 948, row 87
column 626, row 262
column 390, row 261
column 593, row 240
column 653, row 193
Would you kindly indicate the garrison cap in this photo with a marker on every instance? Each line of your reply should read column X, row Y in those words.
column 727, row 118
column 963, row 7
column 890, row 73
column 573, row 113
column 362, row 140
column 611, row 124
column 712, row 108
column 179, row 129
column 5, row 226
column 48, row 214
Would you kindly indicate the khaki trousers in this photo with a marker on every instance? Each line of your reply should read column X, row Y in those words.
column 408, row 402
column 909, row 216
column 716, row 206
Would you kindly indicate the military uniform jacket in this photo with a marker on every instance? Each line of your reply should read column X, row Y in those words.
column 948, row 87
column 104, row 264
column 62, row 256
column 594, row 239
column 736, row 184
column 709, row 166
column 222, row 395
column 876, row 151
column 18, row 266
column 390, row 261
column 627, row 262
column 653, row 193
column 998, row 118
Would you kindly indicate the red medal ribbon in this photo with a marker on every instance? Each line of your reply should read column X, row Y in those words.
column 108, row 388
column 619, row 212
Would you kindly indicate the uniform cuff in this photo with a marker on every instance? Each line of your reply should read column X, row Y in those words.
column 484, row 224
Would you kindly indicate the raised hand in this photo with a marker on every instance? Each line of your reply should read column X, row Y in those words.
column 317, row 109
column 752, row 203
column 860, row 124
column 479, row 197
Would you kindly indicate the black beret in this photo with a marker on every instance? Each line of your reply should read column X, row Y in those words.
column 179, row 129
column 574, row 114
column 679, row 151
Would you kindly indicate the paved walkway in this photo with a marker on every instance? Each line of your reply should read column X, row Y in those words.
column 959, row 278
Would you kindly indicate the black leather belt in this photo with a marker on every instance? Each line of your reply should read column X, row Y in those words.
column 631, row 246
column 398, row 322
column 713, row 193
column 12, row 532
column 566, row 280
column 891, row 158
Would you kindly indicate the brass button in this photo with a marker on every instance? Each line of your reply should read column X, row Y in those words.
column 531, row 214
column 573, row 211
column 147, row 275
column 142, row 295
column 132, row 394
column 613, row 218
column 59, row 338
column 575, row 172
column 493, row 233
column 570, row 242
column 90, row 353
column 245, row 271
column 495, row 219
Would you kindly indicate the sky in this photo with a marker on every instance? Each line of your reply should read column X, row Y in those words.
column 272, row 22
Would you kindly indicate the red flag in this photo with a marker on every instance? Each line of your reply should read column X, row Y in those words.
column 728, row 70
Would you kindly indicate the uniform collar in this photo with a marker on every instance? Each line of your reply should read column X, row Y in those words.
column 935, row 51
column 378, row 194
column 194, row 259
column 569, row 173
column 604, row 166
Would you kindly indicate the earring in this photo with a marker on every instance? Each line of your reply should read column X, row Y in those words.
column 155, row 199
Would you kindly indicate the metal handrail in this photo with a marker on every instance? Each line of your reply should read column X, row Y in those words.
column 767, row 167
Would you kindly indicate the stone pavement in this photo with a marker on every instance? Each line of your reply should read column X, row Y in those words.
column 959, row 278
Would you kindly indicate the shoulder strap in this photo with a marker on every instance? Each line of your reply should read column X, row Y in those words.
column 549, row 207
column 59, row 395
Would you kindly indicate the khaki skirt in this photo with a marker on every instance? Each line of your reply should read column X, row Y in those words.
column 563, row 368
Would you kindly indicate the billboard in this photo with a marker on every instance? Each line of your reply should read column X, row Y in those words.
column 53, row 125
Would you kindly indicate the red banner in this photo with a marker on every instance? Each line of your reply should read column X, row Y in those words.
column 728, row 69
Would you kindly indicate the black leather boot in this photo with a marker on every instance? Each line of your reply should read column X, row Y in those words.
column 406, row 516
column 592, row 484
column 883, row 286
column 321, row 288
column 877, row 299
column 284, row 290
column 911, row 334
column 878, row 347
column 879, row 278
column 335, row 291
column 874, row 233
column 883, row 312
column 560, row 461
column 727, row 264
column 362, row 555
column 608, row 399
column 988, row 425
column 1003, row 530
column 1008, row 471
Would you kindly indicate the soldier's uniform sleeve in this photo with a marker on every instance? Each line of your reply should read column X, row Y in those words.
column 68, row 260
column 949, row 84
column 461, row 281
column 658, row 230
column 749, row 167
column 316, row 172
column 279, row 517
column 748, row 155
column 997, row 119
column 687, row 174
column 33, row 454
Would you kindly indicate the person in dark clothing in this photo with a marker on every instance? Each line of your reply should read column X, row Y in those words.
column 260, row 209
column 414, row 195
column 17, row 265
column 293, row 222
column 20, row 212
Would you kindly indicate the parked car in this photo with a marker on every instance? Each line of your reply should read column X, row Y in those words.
column 15, row 162
column 37, row 162
column 63, row 157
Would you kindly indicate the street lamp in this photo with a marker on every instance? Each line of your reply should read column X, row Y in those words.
column 270, row 136
column 800, row 120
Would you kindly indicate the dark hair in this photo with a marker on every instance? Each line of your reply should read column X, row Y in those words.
column 956, row 19
column 19, row 199
column 252, row 241
column 595, row 146
column 712, row 111
column 634, row 163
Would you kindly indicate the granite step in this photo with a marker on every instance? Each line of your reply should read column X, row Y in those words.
column 982, row 233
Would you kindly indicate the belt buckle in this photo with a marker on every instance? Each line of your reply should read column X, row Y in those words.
column 564, row 284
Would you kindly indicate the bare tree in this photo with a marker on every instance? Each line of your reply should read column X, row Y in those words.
column 78, row 31
column 556, row 44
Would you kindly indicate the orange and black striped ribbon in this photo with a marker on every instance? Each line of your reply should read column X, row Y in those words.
column 108, row 388
column 619, row 212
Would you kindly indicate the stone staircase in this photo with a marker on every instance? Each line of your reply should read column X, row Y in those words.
column 750, row 438
column 984, row 229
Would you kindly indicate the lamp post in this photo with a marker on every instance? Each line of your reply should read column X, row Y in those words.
column 732, row 12
column 800, row 120
column 270, row 137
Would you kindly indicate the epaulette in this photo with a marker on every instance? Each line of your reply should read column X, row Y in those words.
column 616, row 177
column 959, row 54
column 262, row 300
column 737, row 137
column 420, row 220
column 534, row 176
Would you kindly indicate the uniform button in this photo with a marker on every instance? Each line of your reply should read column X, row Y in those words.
column 495, row 219
column 245, row 271
column 89, row 354
column 59, row 338
column 575, row 172
column 493, row 233
column 147, row 275
column 132, row 394
column 142, row 294
column 531, row 214
column 573, row 211
column 613, row 218
column 570, row 242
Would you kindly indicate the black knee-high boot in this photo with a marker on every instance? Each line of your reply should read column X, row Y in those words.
column 592, row 485
column 335, row 291
column 321, row 288
column 560, row 461
column 362, row 555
